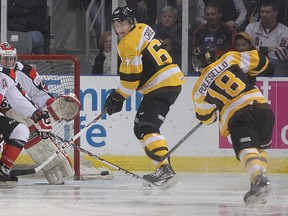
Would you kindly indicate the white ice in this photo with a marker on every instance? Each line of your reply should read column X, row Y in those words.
column 218, row 194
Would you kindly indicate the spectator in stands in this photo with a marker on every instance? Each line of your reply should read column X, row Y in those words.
column 102, row 63
column 233, row 12
column 269, row 36
column 253, row 11
column 163, row 3
column 243, row 42
column 29, row 16
column 215, row 33
column 145, row 11
column 94, row 10
column 170, row 32
column 195, row 11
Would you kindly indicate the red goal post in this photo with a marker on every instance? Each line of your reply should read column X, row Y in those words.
column 61, row 73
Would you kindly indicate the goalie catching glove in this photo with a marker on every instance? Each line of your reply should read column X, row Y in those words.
column 42, row 119
column 65, row 107
column 114, row 102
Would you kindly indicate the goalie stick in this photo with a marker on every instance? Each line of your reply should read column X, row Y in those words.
column 165, row 186
column 66, row 144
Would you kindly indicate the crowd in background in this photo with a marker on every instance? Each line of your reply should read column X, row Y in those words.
column 214, row 23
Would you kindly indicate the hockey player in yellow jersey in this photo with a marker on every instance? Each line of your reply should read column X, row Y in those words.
column 148, row 68
column 244, row 112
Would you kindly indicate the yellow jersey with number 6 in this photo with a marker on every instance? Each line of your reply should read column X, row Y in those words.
column 145, row 63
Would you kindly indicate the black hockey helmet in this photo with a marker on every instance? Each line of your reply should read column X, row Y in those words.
column 123, row 13
column 203, row 56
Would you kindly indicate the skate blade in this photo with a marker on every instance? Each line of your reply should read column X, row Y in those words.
column 260, row 197
column 8, row 184
column 163, row 185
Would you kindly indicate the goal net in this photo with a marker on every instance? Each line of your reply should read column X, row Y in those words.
column 61, row 73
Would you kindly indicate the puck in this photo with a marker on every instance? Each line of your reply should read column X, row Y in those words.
column 104, row 173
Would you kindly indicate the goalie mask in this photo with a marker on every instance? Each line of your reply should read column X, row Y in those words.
column 202, row 57
column 122, row 14
column 8, row 55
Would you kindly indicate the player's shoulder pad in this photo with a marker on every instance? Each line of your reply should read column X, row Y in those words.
column 9, row 72
column 25, row 68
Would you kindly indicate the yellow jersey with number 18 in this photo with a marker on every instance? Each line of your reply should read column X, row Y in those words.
column 224, row 84
column 145, row 63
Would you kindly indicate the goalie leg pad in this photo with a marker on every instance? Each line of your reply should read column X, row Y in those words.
column 60, row 168
column 57, row 170
column 65, row 107
column 57, row 175
column 11, row 113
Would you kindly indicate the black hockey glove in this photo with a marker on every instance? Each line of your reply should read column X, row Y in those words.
column 42, row 119
column 114, row 102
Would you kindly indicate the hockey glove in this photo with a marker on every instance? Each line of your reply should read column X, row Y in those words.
column 42, row 119
column 114, row 102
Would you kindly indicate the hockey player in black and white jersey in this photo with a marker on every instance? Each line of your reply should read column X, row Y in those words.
column 40, row 146
column 13, row 137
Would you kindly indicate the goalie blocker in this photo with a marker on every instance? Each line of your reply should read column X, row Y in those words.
column 60, row 168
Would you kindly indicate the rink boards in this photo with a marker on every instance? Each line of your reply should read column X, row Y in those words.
column 112, row 137
column 205, row 150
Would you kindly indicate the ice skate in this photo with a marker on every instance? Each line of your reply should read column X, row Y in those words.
column 163, row 177
column 259, row 191
column 6, row 180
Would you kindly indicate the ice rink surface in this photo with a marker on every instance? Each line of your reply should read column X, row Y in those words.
column 219, row 194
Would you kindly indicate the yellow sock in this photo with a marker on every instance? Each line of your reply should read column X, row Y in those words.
column 155, row 145
column 253, row 162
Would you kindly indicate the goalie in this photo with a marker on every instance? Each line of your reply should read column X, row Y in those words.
column 40, row 146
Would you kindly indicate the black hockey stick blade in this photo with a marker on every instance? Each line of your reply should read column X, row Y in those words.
column 22, row 172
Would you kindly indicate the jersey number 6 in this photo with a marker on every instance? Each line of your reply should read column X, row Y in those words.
column 160, row 55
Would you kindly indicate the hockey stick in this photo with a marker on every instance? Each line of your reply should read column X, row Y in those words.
column 66, row 144
column 181, row 141
column 114, row 166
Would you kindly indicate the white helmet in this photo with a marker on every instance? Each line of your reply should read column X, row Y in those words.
column 8, row 55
